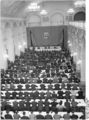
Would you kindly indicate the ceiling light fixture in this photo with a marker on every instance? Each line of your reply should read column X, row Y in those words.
column 34, row 7
column 79, row 3
column 71, row 11
column 43, row 12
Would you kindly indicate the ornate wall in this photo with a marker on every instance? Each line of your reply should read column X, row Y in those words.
column 76, row 44
column 13, row 40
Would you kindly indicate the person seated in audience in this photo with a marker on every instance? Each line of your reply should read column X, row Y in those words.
column 74, row 86
column 12, row 86
column 26, row 95
column 6, row 86
column 83, row 116
column 39, row 116
column 14, row 95
column 7, row 94
column 60, row 94
column 54, row 95
column 36, row 94
column 63, row 86
column 27, row 86
column 73, row 94
column 74, row 116
column 42, row 86
column 68, row 86
column 15, row 105
column 16, row 116
column 31, row 95
column 60, row 106
column 47, row 105
column 48, row 116
column 57, row 86
column 2, row 116
column 66, row 116
column 20, row 87
column 17, row 80
column 50, row 81
column 22, row 80
column 55, row 79
column 21, row 95
column 53, row 105
column 2, row 87
column 74, row 104
column 32, row 116
column 67, row 105
column 24, row 117
column 27, row 105
column 34, row 106
column 60, row 79
column 45, row 80
column 33, row 87
column 80, row 94
column 67, row 94
column 21, row 105
column 57, row 116
column 40, row 105
column 50, row 87
column 48, row 95
column 64, row 79
column 8, row 115
column 39, row 80
column 42, row 94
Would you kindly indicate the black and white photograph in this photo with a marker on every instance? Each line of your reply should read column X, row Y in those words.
column 43, row 60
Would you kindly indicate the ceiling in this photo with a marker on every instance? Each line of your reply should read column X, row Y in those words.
column 18, row 8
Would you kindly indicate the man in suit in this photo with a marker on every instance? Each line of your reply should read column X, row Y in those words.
column 14, row 94
column 54, row 104
column 67, row 116
column 60, row 94
column 50, row 87
column 34, row 105
column 21, row 105
column 48, row 116
column 57, row 87
column 56, row 116
column 42, row 95
column 27, row 86
column 8, row 116
column 15, row 105
column 7, row 95
column 33, row 87
column 20, row 87
column 47, row 105
column 39, row 116
column 74, row 116
column 42, row 86
column 24, row 117
column 27, row 105
column 48, row 95
column 40, row 105
column 16, row 116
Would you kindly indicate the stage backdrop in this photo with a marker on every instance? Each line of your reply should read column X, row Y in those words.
column 47, row 36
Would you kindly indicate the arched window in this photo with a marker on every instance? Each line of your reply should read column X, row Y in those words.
column 79, row 16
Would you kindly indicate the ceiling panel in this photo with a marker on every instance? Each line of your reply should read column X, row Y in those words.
column 17, row 8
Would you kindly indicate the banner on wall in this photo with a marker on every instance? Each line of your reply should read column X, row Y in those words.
column 46, row 35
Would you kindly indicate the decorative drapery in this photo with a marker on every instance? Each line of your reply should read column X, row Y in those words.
column 76, row 44
column 13, row 41
column 3, row 52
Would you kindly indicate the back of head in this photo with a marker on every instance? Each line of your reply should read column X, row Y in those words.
column 23, row 113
